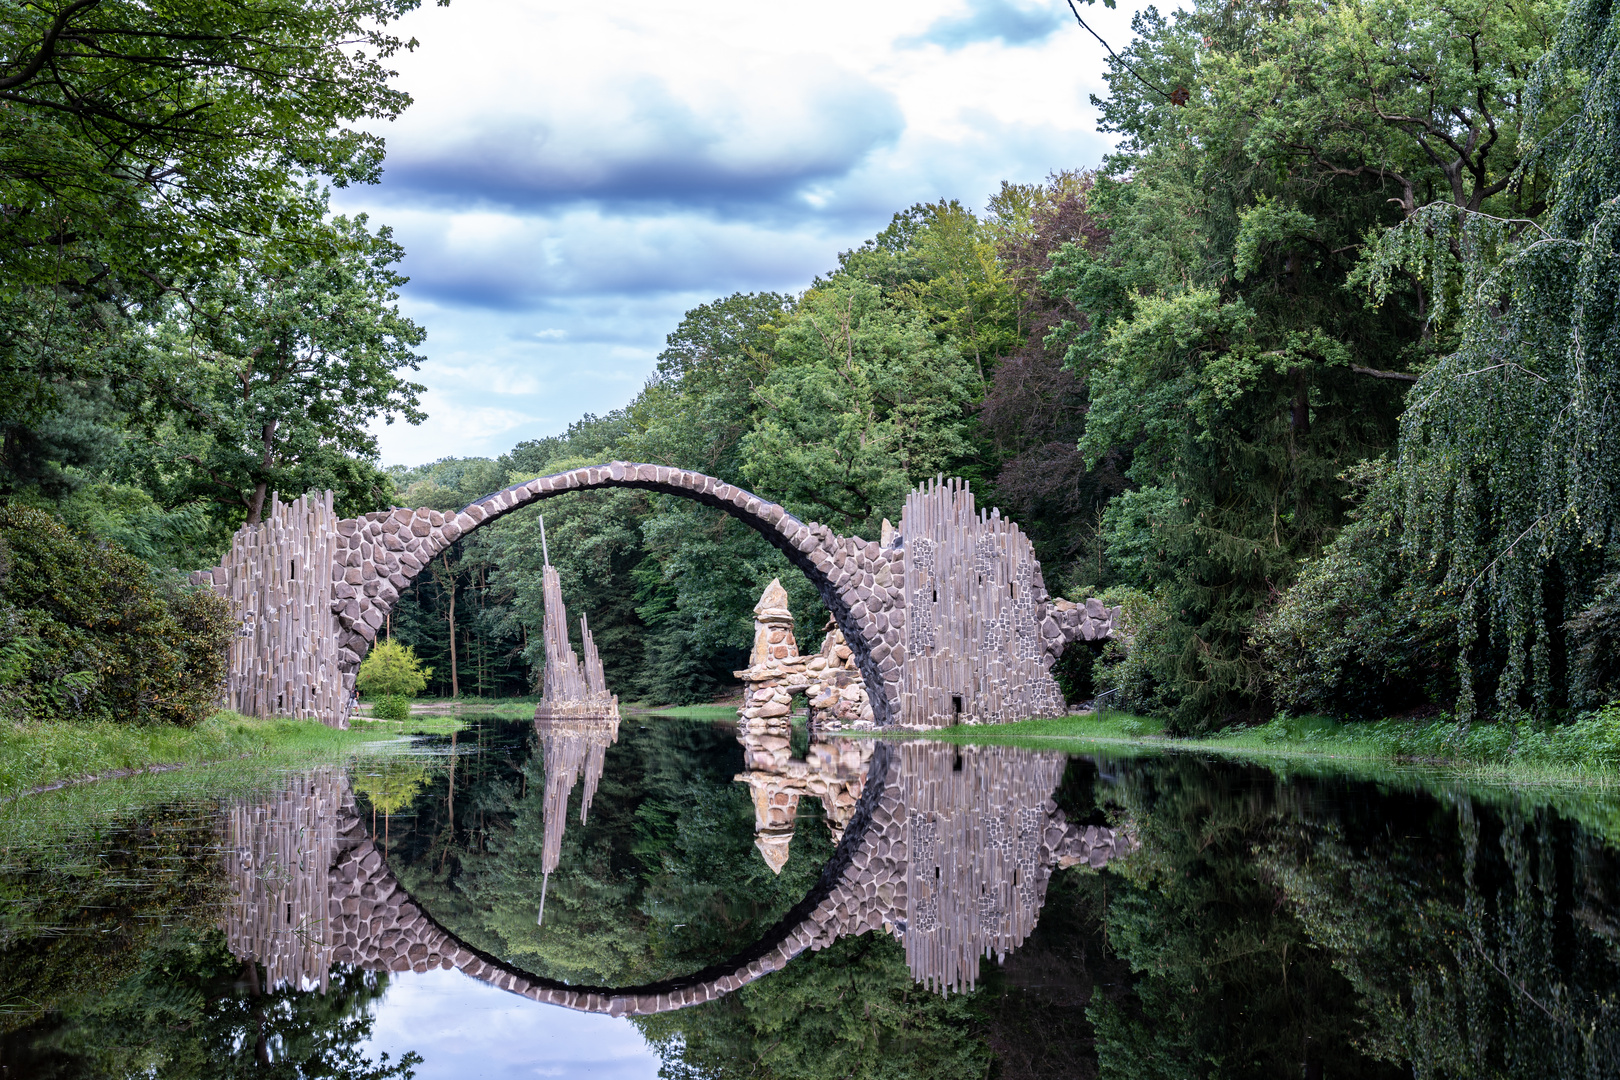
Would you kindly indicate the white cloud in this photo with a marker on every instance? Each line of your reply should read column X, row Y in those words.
column 466, row 1029
column 572, row 178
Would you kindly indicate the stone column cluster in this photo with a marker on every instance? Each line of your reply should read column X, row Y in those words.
column 285, row 659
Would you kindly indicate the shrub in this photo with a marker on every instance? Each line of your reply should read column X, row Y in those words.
column 1595, row 633
column 392, row 707
column 87, row 631
column 1133, row 660
column 392, row 670
column 1363, row 633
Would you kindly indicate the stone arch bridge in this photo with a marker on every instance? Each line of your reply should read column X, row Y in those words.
column 950, row 850
column 947, row 618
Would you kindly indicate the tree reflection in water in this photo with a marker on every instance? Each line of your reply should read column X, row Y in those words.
column 1258, row 924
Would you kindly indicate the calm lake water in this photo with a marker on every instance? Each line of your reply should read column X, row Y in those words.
column 949, row 912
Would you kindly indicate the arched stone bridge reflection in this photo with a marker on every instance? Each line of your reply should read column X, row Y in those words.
column 949, row 848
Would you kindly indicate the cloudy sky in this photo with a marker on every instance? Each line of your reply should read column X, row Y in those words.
column 573, row 177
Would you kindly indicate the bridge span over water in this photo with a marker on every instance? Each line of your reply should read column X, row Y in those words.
column 948, row 618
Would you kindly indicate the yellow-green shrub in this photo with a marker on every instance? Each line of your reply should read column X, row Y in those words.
column 392, row 670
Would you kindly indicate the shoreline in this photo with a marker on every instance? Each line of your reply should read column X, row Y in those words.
column 1388, row 744
column 40, row 758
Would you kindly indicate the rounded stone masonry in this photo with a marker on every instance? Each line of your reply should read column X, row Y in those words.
column 377, row 556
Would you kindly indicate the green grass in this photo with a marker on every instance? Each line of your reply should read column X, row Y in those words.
column 522, row 708
column 415, row 725
column 35, row 755
column 691, row 712
column 1585, row 751
column 508, row 708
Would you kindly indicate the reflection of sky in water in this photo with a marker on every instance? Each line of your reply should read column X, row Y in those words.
column 463, row 1028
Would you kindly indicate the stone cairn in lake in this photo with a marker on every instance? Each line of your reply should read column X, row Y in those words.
column 577, row 720
column 776, row 673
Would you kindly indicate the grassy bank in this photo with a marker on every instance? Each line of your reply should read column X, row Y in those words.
column 1586, row 750
column 690, row 712
column 522, row 708
column 34, row 756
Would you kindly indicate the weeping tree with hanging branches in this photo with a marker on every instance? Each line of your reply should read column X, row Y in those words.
column 1509, row 454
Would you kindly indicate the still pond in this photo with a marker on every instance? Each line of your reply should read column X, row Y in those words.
column 660, row 897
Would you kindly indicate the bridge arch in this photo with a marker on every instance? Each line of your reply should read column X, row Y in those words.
column 985, row 812
column 379, row 555
column 969, row 624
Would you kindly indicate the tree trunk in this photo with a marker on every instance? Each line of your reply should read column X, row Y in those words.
column 267, row 436
column 455, row 683
column 256, row 502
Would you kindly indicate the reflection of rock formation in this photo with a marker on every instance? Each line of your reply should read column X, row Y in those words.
column 776, row 673
column 983, row 823
column 832, row 771
column 577, row 720
column 278, row 856
column 570, row 746
column 975, row 818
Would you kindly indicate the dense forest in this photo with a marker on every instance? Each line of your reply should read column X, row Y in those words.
column 1315, row 374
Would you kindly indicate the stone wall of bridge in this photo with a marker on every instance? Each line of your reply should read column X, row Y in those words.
column 863, row 583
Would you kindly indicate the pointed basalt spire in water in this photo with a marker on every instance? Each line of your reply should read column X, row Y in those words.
column 577, row 719
column 569, row 688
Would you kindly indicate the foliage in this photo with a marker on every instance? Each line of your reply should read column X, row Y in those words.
column 144, row 146
column 273, row 369
column 1199, row 924
column 1509, row 455
column 183, row 1012
column 1365, row 633
column 87, row 632
column 1595, row 632
column 1464, row 961
column 392, row 707
column 391, row 669
column 1220, row 346
column 390, row 783
column 1133, row 662
column 863, row 405
column 849, row 1010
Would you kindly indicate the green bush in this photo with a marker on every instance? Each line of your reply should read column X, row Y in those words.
column 88, row 632
column 392, row 670
column 392, row 707
column 1595, row 635
column 1134, row 660
column 1363, row 633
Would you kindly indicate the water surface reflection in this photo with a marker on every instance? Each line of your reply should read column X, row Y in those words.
column 765, row 911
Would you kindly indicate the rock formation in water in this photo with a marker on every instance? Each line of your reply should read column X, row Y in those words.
column 777, row 673
column 577, row 720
